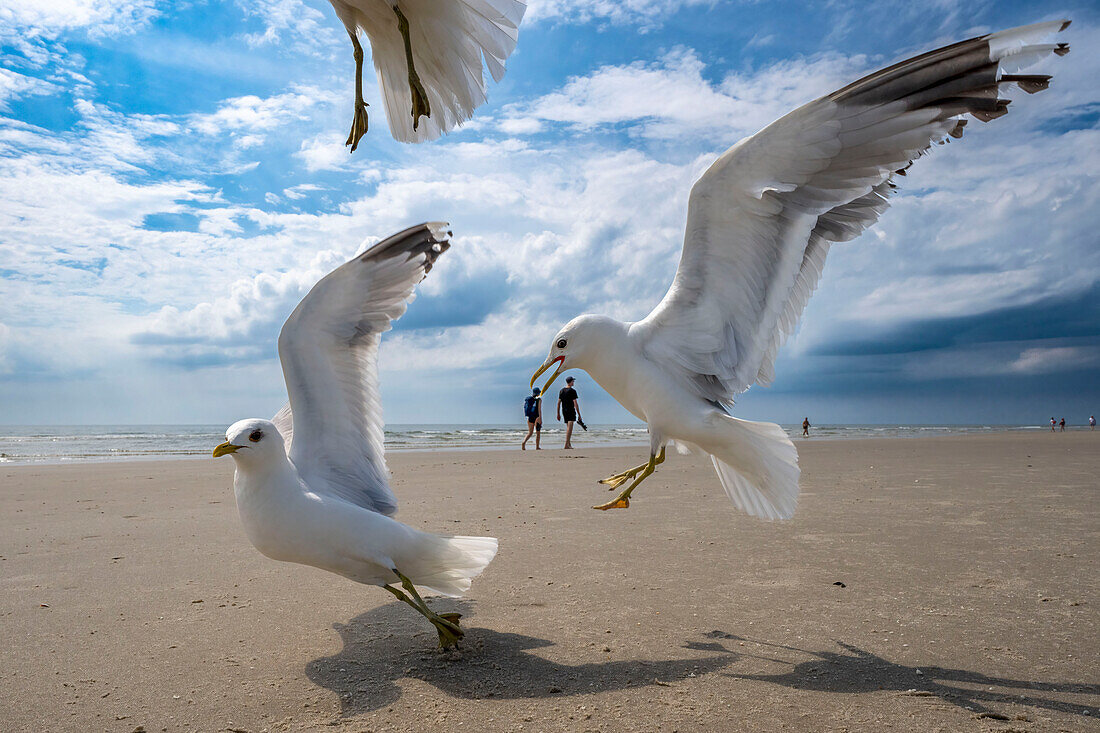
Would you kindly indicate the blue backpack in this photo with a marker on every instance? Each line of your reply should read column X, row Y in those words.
column 531, row 407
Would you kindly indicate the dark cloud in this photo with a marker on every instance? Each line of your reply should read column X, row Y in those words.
column 1075, row 316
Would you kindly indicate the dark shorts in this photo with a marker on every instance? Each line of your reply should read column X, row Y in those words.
column 536, row 423
column 568, row 416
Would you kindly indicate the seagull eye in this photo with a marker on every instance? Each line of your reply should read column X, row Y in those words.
column 256, row 435
column 561, row 343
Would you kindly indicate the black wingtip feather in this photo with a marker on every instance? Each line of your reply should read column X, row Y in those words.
column 428, row 239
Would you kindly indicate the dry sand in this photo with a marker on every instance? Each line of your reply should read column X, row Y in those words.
column 131, row 598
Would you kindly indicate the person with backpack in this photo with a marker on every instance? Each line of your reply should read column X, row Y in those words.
column 532, row 409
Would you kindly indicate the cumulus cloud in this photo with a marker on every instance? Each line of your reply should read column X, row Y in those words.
column 670, row 98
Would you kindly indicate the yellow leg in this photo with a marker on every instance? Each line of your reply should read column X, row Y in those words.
column 446, row 624
column 420, row 105
column 622, row 501
column 359, row 122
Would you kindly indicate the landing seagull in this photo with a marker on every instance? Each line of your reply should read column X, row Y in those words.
column 311, row 484
column 447, row 41
column 760, row 222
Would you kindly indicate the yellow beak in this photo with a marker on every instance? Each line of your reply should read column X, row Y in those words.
column 546, row 365
column 225, row 449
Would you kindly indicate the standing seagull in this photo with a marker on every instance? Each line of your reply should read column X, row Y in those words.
column 447, row 41
column 760, row 222
column 311, row 484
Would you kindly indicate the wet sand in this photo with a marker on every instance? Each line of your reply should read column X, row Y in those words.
column 131, row 598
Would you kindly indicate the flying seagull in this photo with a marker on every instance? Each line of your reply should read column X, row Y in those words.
column 760, row 221
column 446, row 41
column 311, row 484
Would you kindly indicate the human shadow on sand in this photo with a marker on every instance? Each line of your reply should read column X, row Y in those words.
column 387, row 644
column 855, row 670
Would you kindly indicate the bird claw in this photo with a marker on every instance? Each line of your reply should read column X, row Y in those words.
column 359, row 126
column 614, row 482
column 619, row 503
column 446, row 625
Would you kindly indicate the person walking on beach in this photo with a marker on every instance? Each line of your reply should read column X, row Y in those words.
column 570, row 407
column 1063, row 424
column 805, row 427
column 532, row 409
column 1052, row 424
column 1092, row 422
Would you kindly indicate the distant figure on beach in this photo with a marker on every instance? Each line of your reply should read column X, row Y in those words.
column 1053, row 424
column 805, row 427
column 1092, row 422
column 532, row 409
column 569, row 407
column 1063, row 424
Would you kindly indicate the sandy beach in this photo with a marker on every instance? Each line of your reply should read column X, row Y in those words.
column 939, row 584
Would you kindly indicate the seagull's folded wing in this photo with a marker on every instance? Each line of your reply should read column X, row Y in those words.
column 329, row 352
column 762, row 217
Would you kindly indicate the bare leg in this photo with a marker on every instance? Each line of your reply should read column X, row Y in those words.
column 446, row 624
column 622, row 501
column 359, row 122
column 538, row 439
column 530, row 429
column 568, row 434
column 420, row 106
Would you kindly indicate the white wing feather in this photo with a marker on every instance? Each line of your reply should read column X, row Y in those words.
column 762, row 217
column 329, row 351
column 450, row 39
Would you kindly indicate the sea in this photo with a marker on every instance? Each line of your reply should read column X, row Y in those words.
column 21, row 444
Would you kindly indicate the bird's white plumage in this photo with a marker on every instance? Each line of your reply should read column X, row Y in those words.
column 450, row 40
column 760, row 223
column 313, row 488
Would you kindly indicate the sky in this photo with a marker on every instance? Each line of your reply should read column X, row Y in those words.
column 173, row 180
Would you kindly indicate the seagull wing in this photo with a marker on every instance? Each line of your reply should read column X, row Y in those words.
column 762, row 217
column 450, row 40
column 329, row 352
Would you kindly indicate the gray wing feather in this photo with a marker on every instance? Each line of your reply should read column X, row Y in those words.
column 762, row 218
column 329, row 351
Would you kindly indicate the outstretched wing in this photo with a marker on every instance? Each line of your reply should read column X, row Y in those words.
column 329, row 352
column 762, row 217
column 450, row 39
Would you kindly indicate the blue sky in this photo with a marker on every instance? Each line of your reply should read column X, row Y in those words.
column 173, row 180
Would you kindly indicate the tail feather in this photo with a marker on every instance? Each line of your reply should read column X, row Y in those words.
column 758, row 468
column 452, row 563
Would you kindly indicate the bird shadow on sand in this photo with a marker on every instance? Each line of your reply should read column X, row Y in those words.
column 387, row 644
column 853, row 670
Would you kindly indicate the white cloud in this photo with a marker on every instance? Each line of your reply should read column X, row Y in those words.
column 1044, row 360
column 646, row 13
column 251, row 113
column 671, row 100
column 303, row 28
column 14, row 85
column 324, row 152
column 100, row 16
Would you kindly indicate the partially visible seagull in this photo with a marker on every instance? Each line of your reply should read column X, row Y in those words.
column 447, row 41
column 760, row 222
column 311, row 484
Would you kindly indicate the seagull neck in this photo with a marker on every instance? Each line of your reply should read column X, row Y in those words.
column 264, row 475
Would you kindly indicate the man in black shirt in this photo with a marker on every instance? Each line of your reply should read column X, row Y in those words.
column 569, row 407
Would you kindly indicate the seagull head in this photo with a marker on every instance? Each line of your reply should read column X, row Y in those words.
column 580, row 344
column 252, row 442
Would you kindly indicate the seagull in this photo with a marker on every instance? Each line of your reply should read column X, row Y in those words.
column 760, row 221
column 311, row 483
column 447, row 40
